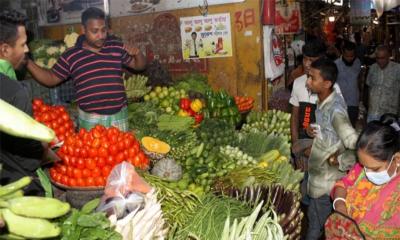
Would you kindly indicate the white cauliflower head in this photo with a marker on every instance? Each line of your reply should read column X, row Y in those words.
column 70, row 39
column 52, row 50
column 51, row 62
column 40, row 62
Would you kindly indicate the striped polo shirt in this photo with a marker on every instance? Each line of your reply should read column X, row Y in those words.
column 96, row 76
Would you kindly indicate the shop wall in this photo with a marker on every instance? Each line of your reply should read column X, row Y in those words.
column 159, row 34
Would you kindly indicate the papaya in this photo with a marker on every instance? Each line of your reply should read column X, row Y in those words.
column 154, row 145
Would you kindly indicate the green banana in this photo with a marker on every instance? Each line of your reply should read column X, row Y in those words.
column 34, row 228
column 14, row 186
column 38, row 207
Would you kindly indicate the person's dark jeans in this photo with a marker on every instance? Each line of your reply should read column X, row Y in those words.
column 318, row 212
column 353, row 114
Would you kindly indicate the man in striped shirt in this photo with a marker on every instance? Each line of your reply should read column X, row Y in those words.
column 95, row 66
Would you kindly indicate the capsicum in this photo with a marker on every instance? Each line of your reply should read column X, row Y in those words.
column 196, row 105
column 184, row 103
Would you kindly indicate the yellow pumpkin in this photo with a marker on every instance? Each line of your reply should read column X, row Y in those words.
column 154, row 145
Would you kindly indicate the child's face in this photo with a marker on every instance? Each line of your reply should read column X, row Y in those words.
column 316, row 83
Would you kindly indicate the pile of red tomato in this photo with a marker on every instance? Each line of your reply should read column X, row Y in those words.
column 89, row 156
column 54, row 117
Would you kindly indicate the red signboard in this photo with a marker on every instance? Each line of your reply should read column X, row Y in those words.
column 287, row 18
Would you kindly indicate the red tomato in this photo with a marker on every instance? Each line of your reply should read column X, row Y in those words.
column 110, row 160
column 84, row 152
column 77, row 152
column 64, row 179
column 132, row 152
column 79, row 143
column 72, row 182
column 90, row 181
column 65, row 117
column 37, row 102
column 74, row 161
column 102, row 152
column 120, row 157
column 128, row 142
column 96, row 143
column 126, row 153
column 80, row 163
column 57, row 177
column 77, row 173
column 95, row 133
column 60, row 122
column 63, row 169
column 61, row 138
column 67, row 160
column 105, row 144
column 113, row 150
column 121, row 145
column 90, row 163
column 136, row 161
column 99, row 128
column 101, row 162
column 82, row 132
column 96, row 172
column 80, row 182
column 70, row 171
column 53, row 173
column 46, row 117
column 86, row 173
column 105, row 171
column 99, row 181
column 113, row 138
column 70, row 141
column 93, row 152
column 136, row 146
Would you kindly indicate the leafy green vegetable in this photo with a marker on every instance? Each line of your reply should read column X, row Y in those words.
column 45, row 182
column 87, row 225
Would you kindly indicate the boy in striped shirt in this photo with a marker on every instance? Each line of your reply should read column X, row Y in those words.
column 94, row 65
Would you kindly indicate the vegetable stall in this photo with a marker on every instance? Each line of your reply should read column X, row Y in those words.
column 197, row 163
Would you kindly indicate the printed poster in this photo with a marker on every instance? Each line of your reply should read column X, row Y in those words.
column 206, row 37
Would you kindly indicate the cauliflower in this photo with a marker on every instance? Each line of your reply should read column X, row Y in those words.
column 40, row 62
column 52, row 50
column 70, row 39
column 51, row 62
column 62, row 49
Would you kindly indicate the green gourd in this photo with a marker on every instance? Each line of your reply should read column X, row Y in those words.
column 32, row 228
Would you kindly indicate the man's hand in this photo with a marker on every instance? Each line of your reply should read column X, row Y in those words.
column 333, row 159
column 133, row 51
column 310, row 131
column 307, row 152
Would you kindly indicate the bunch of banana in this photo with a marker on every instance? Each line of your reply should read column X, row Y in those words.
column 28, row 217
column 135, row 86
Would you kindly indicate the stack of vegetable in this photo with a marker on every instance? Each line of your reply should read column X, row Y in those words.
column 54, row 117
column 166, row 98
column 135, row 86
column 221, row 105
column 244, row 103
column 273, row 121
column 88, row 157
column 45, row 52
column 193, row 83
column 191, row 108
column 29, row 217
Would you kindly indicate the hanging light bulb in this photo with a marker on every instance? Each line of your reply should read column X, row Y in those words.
column 331, row 18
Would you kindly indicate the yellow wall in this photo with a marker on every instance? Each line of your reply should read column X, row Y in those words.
column 240, row 74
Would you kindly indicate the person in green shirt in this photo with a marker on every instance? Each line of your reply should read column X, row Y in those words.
column 18, row 156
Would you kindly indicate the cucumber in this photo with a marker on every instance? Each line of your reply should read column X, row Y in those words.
column 17, row 123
